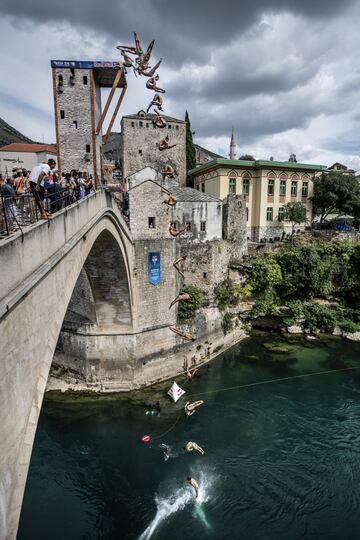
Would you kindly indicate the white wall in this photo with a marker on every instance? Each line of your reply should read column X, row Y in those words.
column 22, row 160
column 196, row 212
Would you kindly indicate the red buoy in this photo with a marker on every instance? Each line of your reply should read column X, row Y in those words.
column 145, row 438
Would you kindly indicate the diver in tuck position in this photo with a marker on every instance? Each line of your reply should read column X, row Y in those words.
column 191, row 446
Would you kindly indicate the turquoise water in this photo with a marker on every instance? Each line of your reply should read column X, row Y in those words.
column 282, row 460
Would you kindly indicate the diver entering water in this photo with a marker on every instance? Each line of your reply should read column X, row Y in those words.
column 194, row 484
column 190, row 408
column 190, row 446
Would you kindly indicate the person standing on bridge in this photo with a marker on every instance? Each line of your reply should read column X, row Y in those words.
column 37, row 180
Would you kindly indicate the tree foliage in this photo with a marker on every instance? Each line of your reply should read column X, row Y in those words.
column 188, row 309
column 190, row 148
column 228, row 293
column 247, row 157
column 336, row 192
column 295, row 213
column 302, row 270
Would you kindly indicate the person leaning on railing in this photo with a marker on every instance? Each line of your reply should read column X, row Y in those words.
column 37, row 180
column 8, row 196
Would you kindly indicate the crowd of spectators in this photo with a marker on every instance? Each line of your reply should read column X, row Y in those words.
column 25, row 192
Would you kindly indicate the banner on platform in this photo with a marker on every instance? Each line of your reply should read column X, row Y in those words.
column 154, row 272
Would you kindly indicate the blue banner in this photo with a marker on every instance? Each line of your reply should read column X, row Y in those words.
column 154, row 273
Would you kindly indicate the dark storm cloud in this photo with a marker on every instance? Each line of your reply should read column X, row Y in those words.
column 183, row 29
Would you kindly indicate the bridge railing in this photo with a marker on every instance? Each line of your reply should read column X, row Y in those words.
column 21, row 211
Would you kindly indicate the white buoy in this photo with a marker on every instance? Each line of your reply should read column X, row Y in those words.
column 176, row 392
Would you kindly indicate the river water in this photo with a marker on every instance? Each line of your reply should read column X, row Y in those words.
column 282, row 460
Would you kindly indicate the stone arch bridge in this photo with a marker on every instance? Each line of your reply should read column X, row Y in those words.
column 74, row 290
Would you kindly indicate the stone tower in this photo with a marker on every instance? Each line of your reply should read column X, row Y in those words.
column 232, row 145
column 78, row 115
column 140, row 144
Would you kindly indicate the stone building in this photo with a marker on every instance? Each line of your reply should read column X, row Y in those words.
column 140, row 140
column 78, row 115
column 215, row 230
column 267, row 187
column 24, row 156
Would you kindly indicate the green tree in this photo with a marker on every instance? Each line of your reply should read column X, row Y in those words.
column 190, row 150
column 188, row 309
column 335, row 192
column 265, row 273
column 295, row 212
column 247, row 157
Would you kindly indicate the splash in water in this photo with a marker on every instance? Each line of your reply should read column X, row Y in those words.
column 167, row 506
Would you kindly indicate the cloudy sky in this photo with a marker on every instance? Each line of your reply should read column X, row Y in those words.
column 285, row 73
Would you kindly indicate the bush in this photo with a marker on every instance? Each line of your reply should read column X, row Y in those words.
column 349, row 326
column 297, row 310
column 228, row 323
column 228, row 293
column 319, row 317
column 188, row 309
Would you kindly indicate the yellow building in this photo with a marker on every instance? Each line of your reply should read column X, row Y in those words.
column 267, row 186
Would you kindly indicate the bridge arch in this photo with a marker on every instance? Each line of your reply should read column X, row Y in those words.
column 44, row 304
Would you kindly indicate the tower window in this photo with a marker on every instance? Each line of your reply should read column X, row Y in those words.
column 151, row 221
column 132, row 124
column 62, row 114
column 177, row 127
column 147, row 124
column 140, row 151
column 140, row 124
column 60, row 80
column 188, row 226
column 75, row 124
column 204, row 275
column 88, row 148
column 203, row 226
column 72, row 71
column 169, row 126
column 85, row 79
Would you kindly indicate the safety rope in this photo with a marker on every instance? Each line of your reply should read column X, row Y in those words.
column 248, row 385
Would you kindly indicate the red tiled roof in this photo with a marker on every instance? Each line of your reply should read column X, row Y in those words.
column 26, row 147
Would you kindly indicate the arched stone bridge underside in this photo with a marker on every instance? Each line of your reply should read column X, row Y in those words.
column 85, row 250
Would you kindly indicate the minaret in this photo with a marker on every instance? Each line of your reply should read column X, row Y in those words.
column 232, row 145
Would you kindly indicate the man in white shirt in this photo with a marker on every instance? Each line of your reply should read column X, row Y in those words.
column 37, row 179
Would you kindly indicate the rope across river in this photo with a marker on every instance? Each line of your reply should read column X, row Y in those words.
column 258, row 383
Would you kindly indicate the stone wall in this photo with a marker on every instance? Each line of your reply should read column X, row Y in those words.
column 258, row 234
column 146, row 201
column 140, row 141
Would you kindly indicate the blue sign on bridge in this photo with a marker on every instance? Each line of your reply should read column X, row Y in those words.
column 154, row 273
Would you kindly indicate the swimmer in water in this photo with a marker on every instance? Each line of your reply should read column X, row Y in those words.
column 190, row 408
column 190, row 446
column 194, row 484
column 166, row 449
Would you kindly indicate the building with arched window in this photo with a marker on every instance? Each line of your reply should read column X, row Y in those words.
column 267, row 186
